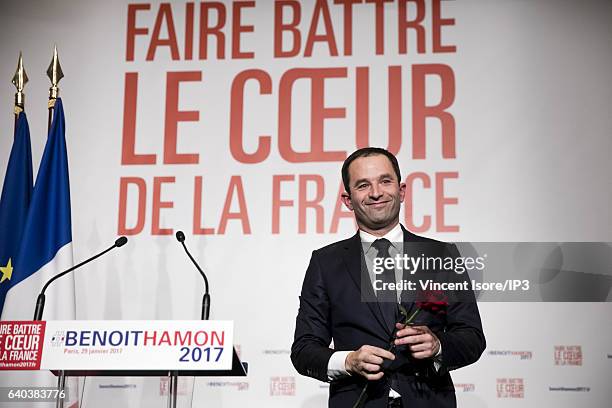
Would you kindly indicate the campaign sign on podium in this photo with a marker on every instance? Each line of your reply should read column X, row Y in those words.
column 21, row 344
column 116, row 345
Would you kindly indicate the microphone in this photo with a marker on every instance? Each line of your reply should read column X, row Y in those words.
column 180, row 237
column 40, row 302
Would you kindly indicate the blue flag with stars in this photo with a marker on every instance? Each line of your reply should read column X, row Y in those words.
column 14, row 202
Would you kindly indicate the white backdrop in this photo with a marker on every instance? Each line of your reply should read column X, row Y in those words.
column 529, row 93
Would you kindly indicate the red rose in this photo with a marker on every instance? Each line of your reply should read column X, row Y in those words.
column 434, row 301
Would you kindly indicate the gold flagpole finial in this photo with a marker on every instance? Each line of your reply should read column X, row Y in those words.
column 19, row 80
column 54, row 72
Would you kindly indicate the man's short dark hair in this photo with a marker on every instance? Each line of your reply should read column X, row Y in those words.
column 365, row 152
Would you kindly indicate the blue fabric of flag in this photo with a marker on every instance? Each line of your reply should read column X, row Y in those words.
column 14, row 202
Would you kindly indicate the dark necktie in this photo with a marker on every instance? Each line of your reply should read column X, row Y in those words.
column 387, row 298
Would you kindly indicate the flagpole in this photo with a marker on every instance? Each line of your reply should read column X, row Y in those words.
column 54, row 72
column 19, row 80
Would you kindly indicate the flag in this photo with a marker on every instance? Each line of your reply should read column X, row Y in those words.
column 46, row 243
column 44, row 251
column 14, row 202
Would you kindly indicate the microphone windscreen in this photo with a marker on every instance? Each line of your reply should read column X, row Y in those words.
column 180, row 236
column 121, row 241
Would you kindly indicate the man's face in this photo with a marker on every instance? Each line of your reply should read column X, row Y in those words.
column 376, row 193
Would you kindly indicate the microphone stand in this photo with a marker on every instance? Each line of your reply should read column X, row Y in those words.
column 205, row 313
column 40, row 307
column 40, row 301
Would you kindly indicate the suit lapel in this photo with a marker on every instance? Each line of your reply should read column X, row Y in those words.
column 355, row 264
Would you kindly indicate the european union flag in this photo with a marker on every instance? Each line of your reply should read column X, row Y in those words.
column 14, row 202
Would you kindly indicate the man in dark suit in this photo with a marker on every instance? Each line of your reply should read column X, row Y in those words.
column 403, row 365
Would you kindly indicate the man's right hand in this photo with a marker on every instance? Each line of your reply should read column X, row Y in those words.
column 367, row 361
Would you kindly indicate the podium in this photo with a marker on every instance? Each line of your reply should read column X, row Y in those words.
column 122, row 348
column 239, row 369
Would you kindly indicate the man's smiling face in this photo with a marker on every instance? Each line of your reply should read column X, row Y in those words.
column 375, row 194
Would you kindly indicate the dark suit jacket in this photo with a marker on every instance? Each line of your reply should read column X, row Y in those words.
column 332, row 307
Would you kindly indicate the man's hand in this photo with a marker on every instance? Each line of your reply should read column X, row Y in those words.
column 422, row 342
column 366, row 361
